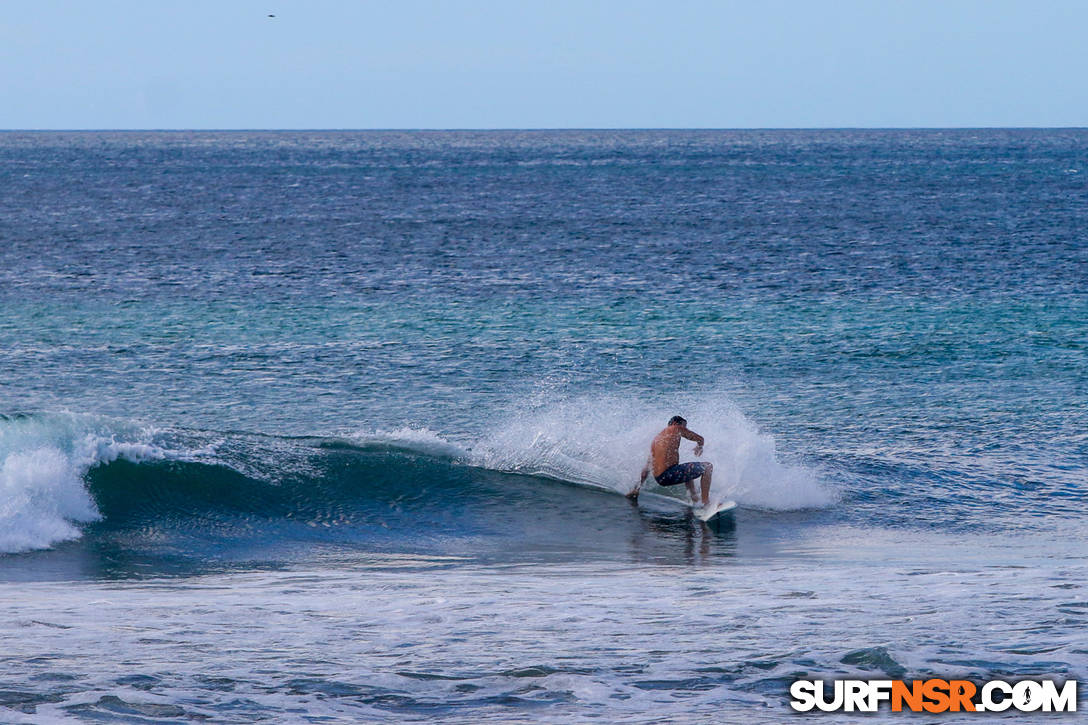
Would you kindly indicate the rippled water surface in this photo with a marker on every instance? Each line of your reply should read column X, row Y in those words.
column 332, row 427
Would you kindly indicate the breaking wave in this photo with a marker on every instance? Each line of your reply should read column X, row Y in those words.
column 62, row 472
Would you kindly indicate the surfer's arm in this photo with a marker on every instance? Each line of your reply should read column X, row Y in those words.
column 693, row 436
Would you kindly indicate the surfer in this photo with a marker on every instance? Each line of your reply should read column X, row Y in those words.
column 664, row 461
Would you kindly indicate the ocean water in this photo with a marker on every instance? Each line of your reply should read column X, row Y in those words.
column 333, row 427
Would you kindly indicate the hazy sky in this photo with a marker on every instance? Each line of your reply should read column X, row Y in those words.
column 542, row 64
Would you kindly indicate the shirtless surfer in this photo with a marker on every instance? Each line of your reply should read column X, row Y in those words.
column 665, row 462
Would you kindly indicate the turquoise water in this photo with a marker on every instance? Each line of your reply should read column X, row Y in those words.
column 332, row 426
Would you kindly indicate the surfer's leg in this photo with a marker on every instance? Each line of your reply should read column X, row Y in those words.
column 708, row 468
column 692, row 493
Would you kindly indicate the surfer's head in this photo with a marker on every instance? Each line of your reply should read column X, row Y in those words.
column 677, row 420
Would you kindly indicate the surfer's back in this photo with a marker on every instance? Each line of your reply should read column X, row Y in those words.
column 665, row 449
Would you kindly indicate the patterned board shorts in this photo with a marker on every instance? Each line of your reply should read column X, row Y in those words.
column 680, row 473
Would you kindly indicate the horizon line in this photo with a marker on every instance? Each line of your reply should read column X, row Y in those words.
column 242, row 129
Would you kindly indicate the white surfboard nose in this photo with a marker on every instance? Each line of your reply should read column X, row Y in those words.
column 706, row 513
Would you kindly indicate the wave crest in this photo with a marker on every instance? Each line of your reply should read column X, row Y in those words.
column 604, row 441
column 46, row 459
column 43, row 459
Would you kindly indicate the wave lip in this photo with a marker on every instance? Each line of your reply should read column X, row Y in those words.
column 415, row 440
column 43, row 458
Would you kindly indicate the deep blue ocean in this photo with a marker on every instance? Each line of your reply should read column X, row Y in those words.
column 333, row 427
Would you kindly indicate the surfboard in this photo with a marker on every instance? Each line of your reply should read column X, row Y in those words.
column 712, row 511
column 712, row 514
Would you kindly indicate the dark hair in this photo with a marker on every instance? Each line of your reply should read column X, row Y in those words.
column 677, row 420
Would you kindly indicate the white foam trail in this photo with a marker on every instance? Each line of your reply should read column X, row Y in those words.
column 604, row 441
column 42, row 461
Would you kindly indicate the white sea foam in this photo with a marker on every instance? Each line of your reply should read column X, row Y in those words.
column 422, row 440
column 42, row 462
column 604, row 441
column 42, row 494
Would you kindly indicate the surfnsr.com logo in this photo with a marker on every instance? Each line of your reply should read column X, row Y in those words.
column 934, row 696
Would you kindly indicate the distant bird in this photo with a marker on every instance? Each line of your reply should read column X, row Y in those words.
column 271, row 16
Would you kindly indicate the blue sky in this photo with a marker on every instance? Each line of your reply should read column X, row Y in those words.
column 556, row 64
